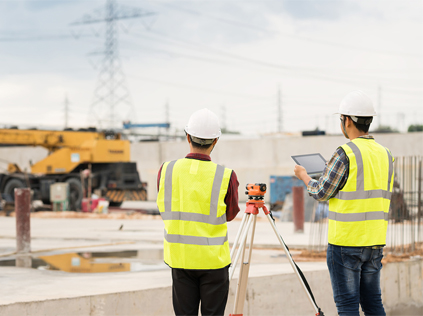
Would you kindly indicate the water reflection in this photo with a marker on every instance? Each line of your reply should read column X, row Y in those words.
column 99, row 262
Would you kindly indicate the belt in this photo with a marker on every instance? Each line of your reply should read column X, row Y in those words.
column 374, row 247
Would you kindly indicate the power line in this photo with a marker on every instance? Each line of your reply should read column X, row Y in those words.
column 276, row 32
column 36, row 38
column 221, row 62
column 292, row 70
column 171, row 53
column 197, row 88
column 45, row 37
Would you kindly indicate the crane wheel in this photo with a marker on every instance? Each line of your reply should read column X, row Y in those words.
column 75, row 193
column 9, row 189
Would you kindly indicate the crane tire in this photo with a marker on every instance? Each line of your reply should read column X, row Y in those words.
column 75, row 194
column 9, row 188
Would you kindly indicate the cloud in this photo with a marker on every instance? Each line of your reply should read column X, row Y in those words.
column 191, row 61
column 43, row 5
column 324, row 10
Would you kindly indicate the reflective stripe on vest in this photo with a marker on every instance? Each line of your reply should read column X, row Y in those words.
column 356, row 217
column 358, row 214
column 196, row 240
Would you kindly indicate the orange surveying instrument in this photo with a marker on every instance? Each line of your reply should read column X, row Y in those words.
column 255, row 202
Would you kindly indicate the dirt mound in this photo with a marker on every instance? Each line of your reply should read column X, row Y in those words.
column 397, row 257
column 307, row 255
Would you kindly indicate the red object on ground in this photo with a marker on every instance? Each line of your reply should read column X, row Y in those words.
column 298, row 212
column 94, row 203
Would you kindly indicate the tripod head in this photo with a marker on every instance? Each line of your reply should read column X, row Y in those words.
column 256, row 191
column 255, row 201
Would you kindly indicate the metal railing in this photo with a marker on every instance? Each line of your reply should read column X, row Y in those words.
column 405, row 228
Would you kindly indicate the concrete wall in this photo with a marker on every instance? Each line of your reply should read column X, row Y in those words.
column 402, row 287
column 402, row 294
column 253, row 160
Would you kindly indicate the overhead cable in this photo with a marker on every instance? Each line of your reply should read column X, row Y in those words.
column 276, row 32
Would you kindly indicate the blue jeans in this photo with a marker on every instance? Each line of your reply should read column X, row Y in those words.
column 355, row 277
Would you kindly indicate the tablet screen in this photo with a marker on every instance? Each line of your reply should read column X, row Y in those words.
column 313, row 163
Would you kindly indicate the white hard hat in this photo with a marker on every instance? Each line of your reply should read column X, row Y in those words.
column 203, row 124
column 356, row 103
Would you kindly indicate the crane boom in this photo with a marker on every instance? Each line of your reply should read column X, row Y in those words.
column 49, row 139
column 68, row 149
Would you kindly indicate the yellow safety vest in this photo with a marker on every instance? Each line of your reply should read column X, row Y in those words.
column 358, row 214
column 191, row 203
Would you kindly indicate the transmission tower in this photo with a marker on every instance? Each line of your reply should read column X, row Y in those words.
column 111, row 102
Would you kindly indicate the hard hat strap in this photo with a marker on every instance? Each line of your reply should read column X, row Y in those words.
column 201, row 141
column 360, row 120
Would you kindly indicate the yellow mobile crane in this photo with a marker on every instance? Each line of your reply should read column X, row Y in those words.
column 70, row 152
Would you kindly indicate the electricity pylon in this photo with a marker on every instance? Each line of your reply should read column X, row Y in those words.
column 111, row 102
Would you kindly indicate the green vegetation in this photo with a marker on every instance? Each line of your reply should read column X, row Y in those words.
column 415, row 128
column 385, row 129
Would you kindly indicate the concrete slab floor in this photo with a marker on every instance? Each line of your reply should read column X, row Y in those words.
column 85, row 235
column 58, row 235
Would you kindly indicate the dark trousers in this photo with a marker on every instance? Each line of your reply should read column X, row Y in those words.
column 190, row 287
column 355, row 278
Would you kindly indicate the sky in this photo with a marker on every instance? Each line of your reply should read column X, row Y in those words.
column 262, row 66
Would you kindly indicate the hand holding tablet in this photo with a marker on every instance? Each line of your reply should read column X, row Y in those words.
column 314, row 164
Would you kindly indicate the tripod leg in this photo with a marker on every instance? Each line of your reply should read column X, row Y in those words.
column 288, row 255
column 238, row 234
column 241, row 247
column 241, row 290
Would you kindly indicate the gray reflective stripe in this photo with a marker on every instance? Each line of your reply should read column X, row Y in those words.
column 357, row 195
column 196, row 240
column 360, row 170
column 214, row 200
column 194, row 217
column 360, row 193
column 168, row 187
column 357, row 217
column 391, row 169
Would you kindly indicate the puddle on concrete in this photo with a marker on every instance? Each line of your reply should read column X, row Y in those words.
column 99, row 262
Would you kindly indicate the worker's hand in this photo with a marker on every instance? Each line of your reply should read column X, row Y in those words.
column 300, row 172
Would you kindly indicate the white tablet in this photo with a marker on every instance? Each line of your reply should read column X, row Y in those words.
column 313, row 163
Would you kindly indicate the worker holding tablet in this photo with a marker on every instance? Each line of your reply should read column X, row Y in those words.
column 357, row 181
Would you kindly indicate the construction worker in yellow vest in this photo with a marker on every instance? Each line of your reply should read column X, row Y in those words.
column 196, row 198
column 357, row 181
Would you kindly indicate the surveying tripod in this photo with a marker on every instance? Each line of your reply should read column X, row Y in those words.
column 255, row 202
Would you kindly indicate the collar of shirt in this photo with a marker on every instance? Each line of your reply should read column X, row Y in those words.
column 367, row 137
column 202, row 157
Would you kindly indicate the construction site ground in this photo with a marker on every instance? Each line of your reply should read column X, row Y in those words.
column 62, row 232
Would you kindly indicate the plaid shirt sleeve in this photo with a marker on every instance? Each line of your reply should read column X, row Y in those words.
column 333, row 178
